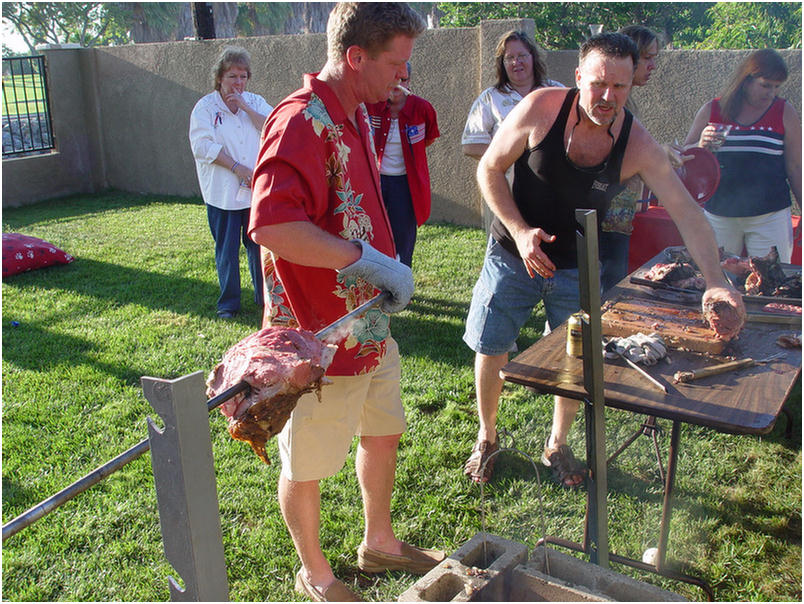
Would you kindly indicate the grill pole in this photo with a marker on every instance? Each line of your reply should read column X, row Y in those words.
column 597, row 535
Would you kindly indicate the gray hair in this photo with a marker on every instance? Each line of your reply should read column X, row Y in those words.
column 230, row 55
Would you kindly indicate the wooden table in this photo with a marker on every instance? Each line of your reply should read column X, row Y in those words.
column 746, row 401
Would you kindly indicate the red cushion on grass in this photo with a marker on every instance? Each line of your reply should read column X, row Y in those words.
column 23, row 253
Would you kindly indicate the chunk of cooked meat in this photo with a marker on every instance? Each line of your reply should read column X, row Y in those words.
column 789, row 309
column 279, row 364
column 790, row 287
column 677, row 274
column 766, row 274
column 723, row 318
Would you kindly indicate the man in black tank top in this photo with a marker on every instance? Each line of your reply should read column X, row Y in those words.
column 570, row 149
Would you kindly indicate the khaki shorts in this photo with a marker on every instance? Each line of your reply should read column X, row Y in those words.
column 317, row 438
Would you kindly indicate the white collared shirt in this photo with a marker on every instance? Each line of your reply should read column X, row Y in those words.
column 212, row 128
column 488, row 111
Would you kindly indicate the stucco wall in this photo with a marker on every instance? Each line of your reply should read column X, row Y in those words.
column 76, row 166
column 121, row 114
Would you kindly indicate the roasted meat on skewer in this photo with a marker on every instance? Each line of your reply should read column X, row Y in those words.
column 280, row 364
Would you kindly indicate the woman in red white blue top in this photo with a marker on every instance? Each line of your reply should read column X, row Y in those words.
column 403, row 127
column 760, row 159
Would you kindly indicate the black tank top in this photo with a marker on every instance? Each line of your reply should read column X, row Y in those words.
column 548, row 187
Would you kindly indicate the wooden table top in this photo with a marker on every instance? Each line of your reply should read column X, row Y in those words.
column 746, row 400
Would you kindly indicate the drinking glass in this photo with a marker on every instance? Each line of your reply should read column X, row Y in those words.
column 720, row 134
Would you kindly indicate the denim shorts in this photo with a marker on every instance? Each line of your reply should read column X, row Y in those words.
column 504, row 298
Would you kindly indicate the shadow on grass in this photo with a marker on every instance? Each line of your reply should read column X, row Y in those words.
column 57, row 349
column 120, row 285
column 434, row 327
column 76, row 206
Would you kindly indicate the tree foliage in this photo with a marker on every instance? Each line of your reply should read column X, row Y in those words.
column 564, row 25
column 84, row 23
column 753, row 25
column 559, row 25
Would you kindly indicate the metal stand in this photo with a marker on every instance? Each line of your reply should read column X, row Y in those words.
column 184, row 474
column 648, row 428
column 597, row 533
column 595, row 539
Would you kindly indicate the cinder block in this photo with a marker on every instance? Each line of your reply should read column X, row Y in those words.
column 488, row 568
column 475, row 572
column 529, row 585
column 601, row 583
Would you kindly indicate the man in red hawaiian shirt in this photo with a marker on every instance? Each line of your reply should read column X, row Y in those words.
column 318, row 209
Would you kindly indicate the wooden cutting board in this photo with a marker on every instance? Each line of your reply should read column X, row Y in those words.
column 680, row 326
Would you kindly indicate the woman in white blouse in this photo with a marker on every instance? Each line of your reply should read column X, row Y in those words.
column 520, row 70
column 225, row 128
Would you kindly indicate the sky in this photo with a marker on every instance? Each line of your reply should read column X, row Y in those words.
column 12, row 39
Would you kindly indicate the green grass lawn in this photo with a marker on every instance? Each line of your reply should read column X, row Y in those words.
column 23, row 94
column 140, row 300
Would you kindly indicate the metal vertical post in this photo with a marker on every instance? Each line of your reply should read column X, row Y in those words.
column 589, row 284
column 184, row 475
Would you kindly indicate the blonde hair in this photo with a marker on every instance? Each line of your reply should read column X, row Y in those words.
column 369, row 25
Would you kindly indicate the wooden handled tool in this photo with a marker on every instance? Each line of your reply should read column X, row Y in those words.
column 696, row 374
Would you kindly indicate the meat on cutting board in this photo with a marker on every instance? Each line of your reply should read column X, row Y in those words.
column 279, row 364
column 679, row 326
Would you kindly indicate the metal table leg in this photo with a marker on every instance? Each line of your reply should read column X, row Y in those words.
column 660, row 568
column 595, row 539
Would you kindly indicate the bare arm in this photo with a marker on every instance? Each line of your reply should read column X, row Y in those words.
column 256, row 118
column 655, row 170
column 475, row 150
column 792, row 150
column 225, row 160
column 701, row 135
column 306, row 244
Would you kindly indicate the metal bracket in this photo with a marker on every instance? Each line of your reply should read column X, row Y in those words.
column 184, row 475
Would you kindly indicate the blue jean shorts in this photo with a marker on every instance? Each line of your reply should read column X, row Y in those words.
column 504, row 298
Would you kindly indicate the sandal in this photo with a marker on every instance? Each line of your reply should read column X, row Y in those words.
column 564, row 465
column 481, row 452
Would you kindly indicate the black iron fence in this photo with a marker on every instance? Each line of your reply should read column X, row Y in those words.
column 27, row 124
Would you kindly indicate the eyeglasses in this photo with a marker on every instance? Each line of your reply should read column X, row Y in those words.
column 509, row 60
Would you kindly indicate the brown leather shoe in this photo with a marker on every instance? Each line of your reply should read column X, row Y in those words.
column 416, row 560
column 480, row 465
column 334, row 592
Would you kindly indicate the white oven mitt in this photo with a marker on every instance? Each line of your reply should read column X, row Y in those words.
column 384, row 273
column 640, row 348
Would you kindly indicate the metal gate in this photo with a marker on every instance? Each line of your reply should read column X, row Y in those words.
column 27, row 124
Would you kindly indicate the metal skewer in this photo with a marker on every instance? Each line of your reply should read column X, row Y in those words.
column 51, row 503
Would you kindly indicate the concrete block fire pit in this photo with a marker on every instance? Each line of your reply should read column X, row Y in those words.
column 491, row 569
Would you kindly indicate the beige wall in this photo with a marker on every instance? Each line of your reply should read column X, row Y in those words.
column 121, row 114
